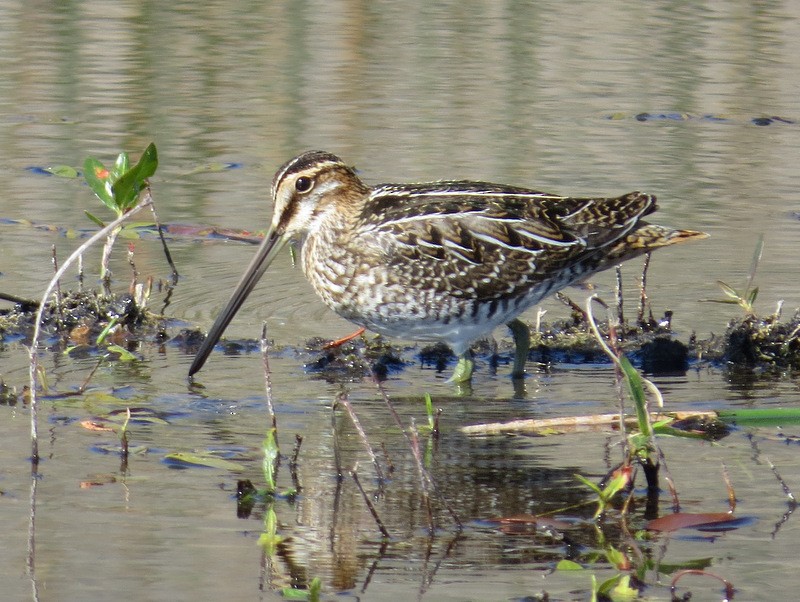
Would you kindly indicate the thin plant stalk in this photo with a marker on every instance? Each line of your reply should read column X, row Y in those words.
column 643, row 291
column 105, row 271
column 362, row 435
column 58, row 297
column 168, row 255
column 636, row 388
column 370, row 506
column 30, row 561
column 593, row 325
column 619, row 301
column 145, row 201
column 424, row 477
column 427, row 479
column 268, row 379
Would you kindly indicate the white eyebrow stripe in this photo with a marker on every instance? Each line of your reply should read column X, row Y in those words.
column 328, row 186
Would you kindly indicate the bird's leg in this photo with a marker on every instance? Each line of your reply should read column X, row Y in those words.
column 522, row 345
column 464, row 368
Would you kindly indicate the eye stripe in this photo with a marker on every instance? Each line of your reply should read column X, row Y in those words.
column 318, row 159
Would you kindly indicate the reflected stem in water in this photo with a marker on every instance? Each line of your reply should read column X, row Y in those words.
column 428, row 575
column 31, row 559
column 343, row 400
column 425, row 477
column 370, row 506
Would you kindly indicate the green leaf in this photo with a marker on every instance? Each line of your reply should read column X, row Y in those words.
column 270, row 538
column 121, row 166
column 589, row 484
column 606, row 586
column 568, row 565
column 623, row 592
column 736, row 301
column 126, row 189
column 208, row 460
column 664, row 430
column 104, row 333
column 751, row 298
column 761, row 416
column 62, row 171
column 729, row 290
column 311, row 594
column 616, row 558
column 271, row 451
column 636, row 389
column 128, row 233
column 96, row 220
column 124, row 354
column 429, row 409
column 97, row 177
column 759, row 250
column 615, row 485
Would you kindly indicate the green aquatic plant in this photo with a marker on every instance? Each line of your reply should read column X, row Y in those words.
column 641, row 444
column 618, row 482
column 118, row 188
column 745, row 298
column 270, row 462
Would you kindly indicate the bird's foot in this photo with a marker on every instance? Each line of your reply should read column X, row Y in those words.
column 463, row 372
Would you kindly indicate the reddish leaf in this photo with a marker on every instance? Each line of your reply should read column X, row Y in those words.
column 533, row 520
column 685, row 520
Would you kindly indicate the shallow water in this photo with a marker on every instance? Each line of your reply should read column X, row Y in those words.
column 544, row 96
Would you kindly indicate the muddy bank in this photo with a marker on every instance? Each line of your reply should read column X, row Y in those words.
column 90, row 322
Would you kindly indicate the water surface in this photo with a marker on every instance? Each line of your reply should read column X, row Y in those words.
column 544, row 95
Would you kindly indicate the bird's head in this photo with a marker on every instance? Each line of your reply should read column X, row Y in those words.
column 309, row 189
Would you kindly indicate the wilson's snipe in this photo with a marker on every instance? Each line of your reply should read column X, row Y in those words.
column 443, row 261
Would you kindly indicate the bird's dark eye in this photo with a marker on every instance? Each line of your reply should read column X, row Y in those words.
column 303, row 184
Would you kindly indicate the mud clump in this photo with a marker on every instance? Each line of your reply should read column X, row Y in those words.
column 79, row 317
column 353, row 359
column 753, row 342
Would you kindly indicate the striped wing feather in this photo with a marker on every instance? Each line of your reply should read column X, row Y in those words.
column 488, row 240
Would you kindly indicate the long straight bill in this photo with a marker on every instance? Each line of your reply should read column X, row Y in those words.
column 269, row 248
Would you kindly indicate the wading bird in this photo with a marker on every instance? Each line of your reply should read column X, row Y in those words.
column 442, row 261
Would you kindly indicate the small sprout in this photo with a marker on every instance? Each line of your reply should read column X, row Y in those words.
column 118, row 188
column 270, row 462
column 270, row 539
column 745, row 299
column 620, row 479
